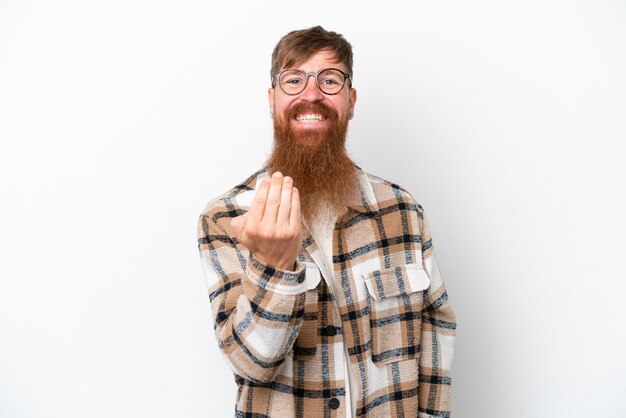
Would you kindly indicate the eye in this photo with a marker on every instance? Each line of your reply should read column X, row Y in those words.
column 331, row 78
column 292, row 79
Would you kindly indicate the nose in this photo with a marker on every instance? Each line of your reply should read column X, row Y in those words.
column 311, row 92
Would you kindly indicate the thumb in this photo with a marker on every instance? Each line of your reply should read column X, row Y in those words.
column 238, row 223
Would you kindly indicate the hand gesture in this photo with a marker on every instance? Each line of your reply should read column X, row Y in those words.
column 272, row 228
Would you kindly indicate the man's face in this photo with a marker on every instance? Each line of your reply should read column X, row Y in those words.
column 306, row 129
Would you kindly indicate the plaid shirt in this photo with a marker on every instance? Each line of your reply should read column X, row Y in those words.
column 284, row 333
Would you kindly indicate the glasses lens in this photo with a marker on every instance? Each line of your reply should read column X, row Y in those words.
column 292, row 81
column 331, row 81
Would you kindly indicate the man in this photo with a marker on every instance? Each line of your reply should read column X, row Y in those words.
column 326, row 296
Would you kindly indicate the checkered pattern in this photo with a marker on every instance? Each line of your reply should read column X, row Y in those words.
column 284, row 333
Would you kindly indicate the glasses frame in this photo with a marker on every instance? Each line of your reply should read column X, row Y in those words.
column 346, row 77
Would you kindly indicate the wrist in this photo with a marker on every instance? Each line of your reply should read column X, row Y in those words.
column 271, row 277
column 278, row 264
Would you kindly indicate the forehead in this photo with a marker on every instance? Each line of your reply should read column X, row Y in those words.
column 318, row 61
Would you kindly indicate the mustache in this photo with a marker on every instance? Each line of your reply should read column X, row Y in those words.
column 312, row 107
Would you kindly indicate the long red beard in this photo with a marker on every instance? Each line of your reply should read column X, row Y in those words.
column 317, row 161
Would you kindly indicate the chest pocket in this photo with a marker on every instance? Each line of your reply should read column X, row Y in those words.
column 396, row 299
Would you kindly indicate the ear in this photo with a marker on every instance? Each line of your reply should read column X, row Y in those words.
column 352, row 100
column 270, row 98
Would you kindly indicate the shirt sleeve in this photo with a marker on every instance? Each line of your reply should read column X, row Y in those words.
column 437, row 339
column 257, row 309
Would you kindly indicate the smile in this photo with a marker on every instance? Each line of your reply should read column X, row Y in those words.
column 310, row 117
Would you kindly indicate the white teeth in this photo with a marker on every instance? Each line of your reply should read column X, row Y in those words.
column 309, row 118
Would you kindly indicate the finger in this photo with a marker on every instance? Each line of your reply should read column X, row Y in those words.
column 294, row 215
column 243, row 220
column 255, row 213
column 273, row 198
column 284, row 209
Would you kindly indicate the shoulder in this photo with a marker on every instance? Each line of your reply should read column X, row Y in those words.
column 232, row 202
column 387, row 191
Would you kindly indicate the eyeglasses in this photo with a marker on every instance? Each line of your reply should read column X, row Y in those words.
column 329, row 81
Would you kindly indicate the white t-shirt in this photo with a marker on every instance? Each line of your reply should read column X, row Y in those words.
column 322, row 232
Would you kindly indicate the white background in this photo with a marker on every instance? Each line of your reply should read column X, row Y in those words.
column 119, row 120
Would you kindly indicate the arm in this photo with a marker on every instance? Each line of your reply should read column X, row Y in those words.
column 437, row 339
column 257, row 308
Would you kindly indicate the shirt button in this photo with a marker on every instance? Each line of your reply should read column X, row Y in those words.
column 333, row 403
column 331, row 331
